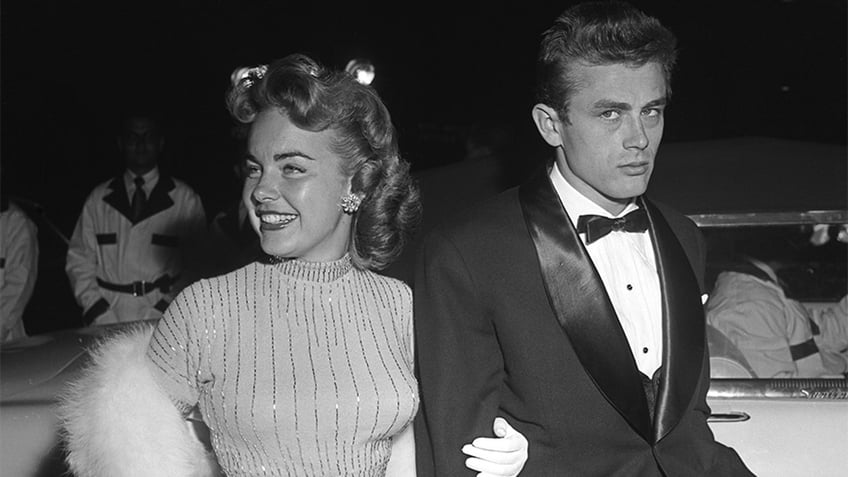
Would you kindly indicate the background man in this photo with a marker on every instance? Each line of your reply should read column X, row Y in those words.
column 778, row 336
column 588, row 333
column 18, row 268
column 131, row 250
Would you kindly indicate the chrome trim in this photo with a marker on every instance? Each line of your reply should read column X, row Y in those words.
column 732, row 416
column 770, row 218
column 793, row 388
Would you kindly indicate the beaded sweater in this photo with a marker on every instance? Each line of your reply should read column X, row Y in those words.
column 298, row 368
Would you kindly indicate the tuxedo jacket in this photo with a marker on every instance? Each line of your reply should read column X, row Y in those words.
column 513, row 320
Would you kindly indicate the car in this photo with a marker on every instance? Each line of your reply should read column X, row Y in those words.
column 789, row 197
column 731, row 188
column 34, row 373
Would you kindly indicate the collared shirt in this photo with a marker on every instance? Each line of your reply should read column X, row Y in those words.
column 151, row 178
column 627, row 266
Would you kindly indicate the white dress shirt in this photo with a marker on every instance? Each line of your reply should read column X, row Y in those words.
column 151, row 178
column 627, row 266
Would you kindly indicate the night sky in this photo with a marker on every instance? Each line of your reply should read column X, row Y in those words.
column 67, row 69
column 768, row 68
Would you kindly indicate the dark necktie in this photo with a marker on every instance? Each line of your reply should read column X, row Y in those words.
column 596, row 226
column 139, row 200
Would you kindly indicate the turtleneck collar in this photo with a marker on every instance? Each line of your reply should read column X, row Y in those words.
column 323, row 272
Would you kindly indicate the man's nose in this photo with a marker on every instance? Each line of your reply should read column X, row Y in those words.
column 636, row 137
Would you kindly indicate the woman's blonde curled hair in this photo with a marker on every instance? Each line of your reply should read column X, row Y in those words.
column 315, row 98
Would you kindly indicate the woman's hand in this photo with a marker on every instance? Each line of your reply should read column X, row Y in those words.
column 501, row 456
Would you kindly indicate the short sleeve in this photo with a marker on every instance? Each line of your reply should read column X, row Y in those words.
column 173, row 349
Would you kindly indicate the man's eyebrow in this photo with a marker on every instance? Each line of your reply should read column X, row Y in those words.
column 610, row 104
column 657, row 102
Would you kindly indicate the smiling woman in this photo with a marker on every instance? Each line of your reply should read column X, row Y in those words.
column 293, row 189
column 300, row 364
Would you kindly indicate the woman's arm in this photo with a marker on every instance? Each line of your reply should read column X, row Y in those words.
column 402, row 461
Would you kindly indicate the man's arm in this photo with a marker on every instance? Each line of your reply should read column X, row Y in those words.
column 459, row 361
column 194, row 232
column 81, row 266
column 21, row 270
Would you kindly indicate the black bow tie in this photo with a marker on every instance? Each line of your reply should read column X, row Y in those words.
column 596, row 226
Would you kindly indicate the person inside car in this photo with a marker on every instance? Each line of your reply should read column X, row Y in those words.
column 778, row 336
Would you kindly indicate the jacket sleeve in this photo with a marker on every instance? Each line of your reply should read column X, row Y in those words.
column 81, row 265
column 194, row 232
column 117, row 421
column 20, row 269
column 459, row 361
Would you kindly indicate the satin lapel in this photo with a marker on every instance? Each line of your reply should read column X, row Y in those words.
column 160, row 198
column 118, row 198
column 581, row 303
column 683, row 325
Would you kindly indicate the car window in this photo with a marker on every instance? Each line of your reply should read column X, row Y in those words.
column 776, row 305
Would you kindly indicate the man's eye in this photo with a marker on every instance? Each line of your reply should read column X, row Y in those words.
column 611, row 114
column 651, row 113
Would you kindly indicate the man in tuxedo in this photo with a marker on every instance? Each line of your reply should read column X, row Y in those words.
column 570, row 305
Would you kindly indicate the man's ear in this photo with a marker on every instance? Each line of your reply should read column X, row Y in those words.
column 548, row 124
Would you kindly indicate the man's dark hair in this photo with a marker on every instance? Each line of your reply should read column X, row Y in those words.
column 599, row 33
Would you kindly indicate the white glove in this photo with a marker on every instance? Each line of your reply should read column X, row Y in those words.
column 501, row 456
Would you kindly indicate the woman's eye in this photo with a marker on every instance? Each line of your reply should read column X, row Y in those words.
column 611, row 114
column 292, row 169
column 252, row 170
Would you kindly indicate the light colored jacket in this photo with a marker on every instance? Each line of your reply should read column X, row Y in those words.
column 106, row 244
column 18, row 270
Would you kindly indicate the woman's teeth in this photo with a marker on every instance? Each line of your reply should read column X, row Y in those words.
column 277, row 219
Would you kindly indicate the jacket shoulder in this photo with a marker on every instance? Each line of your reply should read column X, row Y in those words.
column 487, row 216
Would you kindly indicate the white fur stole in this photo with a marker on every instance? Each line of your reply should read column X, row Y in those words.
column 118, row 422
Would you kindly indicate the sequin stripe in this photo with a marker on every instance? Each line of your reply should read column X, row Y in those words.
column 234, row 459
column 391, row 296
column 396, row 310
column 327, row 310
column 377, row 454
column 169, row 335
column 359, row 324
column 216, row 420
column 243, row 380
column 313, row 344
column 302, row 305
column 273, row 305
column 293, row 366
column 257, row 316
column 396, row 300
column 350, row 317
column 226, row 458
column 212, row 321
column 400, row 300
column 380, row 353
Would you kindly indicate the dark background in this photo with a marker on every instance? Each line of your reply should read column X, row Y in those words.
column 746, row 68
